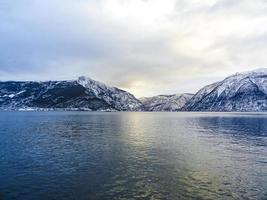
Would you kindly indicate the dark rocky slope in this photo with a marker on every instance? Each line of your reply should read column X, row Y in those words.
column 81, row 94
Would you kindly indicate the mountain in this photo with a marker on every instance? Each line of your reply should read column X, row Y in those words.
column 119, row 99
column 244, row 92
column 165, row 102
column 241, row 92
column 81, row 94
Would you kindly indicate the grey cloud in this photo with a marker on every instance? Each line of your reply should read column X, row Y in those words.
column 191, row 44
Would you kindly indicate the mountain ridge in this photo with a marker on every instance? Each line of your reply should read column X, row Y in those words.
column 244, row 92
column 240, row 92
column 65, row 95
column 169, row 103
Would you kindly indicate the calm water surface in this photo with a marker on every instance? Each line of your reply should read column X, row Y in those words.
column 83, row 155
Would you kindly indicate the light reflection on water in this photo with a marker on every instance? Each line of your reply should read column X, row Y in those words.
column 80, row 155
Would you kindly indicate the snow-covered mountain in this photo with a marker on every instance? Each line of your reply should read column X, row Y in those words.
column 81, row 94
column 165, row 102
column 240, row 92
column 119, row 99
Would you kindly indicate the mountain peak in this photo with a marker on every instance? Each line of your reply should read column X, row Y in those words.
column 84, row 79
column 259, row 71
column 84, row 94
column 90, row 83
column 245, row 91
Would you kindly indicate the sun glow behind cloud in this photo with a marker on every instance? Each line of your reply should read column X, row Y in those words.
column 144, row 46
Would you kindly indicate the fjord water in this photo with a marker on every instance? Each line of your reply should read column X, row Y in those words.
column 89, row 155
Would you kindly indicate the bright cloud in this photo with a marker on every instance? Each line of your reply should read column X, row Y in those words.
column 144, row 46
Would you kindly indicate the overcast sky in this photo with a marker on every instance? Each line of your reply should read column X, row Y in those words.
column 147, row 47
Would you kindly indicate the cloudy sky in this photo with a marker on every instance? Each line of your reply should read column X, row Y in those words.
column 147, row 47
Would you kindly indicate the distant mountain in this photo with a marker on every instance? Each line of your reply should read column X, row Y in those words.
column 165, row 102
column 240, row 92
column 81, row 94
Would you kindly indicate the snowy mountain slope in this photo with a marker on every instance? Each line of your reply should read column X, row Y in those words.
column 68, row 95
column 165, row 102
column 240, row 92
column 119, row 99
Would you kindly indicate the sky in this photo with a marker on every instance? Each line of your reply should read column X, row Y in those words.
column 146, row 47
